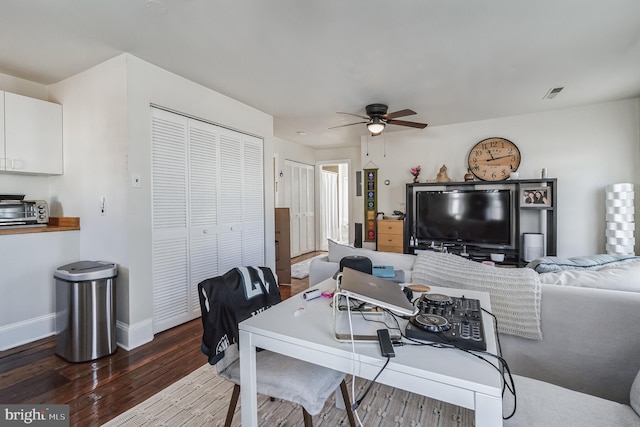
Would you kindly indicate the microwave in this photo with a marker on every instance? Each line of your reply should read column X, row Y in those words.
column 14, row 212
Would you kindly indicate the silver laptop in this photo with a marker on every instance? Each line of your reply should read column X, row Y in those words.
column 376, row 291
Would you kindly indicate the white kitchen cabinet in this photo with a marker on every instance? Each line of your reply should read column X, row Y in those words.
column 3, row 160
column 32, row 136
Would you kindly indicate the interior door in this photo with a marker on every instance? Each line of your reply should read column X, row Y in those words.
column 299, row 198
column 252, row 202
column 203, row 215
column 309, row 214
column 170, row 239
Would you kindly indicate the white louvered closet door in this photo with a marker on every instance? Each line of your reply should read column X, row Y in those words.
column 309, row 242
column 208, row 210
column 230, row 200
column 171, row 296
column 203, row 214
column 299, row 198
column 253, row 202
column 292, row 201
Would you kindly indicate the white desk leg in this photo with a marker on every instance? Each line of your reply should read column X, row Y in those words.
column 488, row 411
column 248, row 388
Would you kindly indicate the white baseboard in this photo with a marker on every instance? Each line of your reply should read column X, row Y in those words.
column 16, row 334
column 27, row 331
column 132, row 336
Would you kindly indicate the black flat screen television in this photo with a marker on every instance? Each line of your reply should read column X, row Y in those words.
column 465, row 216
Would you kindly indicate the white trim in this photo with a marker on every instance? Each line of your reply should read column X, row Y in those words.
column 318, row 196
column 27, row 331
column 131, row 336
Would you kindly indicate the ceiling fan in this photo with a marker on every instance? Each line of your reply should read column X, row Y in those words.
column 377, row 118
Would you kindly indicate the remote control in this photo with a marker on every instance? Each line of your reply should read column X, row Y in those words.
column 386, row 346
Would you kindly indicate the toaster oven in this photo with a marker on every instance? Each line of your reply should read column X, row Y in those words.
column 15, row 212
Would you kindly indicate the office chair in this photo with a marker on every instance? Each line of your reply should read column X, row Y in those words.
column 224, row 303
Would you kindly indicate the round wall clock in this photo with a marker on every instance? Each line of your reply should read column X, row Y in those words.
column 493, row 159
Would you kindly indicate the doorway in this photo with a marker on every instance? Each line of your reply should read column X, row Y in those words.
column 333, row 202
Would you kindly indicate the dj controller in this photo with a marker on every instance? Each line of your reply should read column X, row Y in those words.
column 452, row 320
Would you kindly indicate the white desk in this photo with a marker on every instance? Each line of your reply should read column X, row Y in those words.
column 444, row 374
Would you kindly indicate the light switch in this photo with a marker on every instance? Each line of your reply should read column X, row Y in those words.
column 135, row 180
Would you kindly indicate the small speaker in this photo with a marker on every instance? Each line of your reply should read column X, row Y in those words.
column 358, row 184
column 357, row 262
column 533, row 244
column 358, row 241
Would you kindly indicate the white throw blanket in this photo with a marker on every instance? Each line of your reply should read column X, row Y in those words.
column 515, row 292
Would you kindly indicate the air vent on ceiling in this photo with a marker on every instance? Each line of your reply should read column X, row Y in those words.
column 553, row 92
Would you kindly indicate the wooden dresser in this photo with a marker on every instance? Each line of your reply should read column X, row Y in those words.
column 390, row 235
column 283, row 245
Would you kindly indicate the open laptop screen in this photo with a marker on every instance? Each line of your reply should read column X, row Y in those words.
column 377, row 291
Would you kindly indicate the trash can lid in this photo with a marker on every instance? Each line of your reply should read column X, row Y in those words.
column 86, row 270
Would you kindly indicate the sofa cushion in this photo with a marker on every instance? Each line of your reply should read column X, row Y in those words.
column 515, row 292
column 548, row 405
column 338, row 251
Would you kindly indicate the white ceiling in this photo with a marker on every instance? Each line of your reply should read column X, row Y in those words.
column 302, row 61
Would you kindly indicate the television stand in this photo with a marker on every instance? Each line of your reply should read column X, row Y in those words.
column 526, row 219
column 473, row 252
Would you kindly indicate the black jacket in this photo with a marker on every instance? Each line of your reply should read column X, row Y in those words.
column 229, row 299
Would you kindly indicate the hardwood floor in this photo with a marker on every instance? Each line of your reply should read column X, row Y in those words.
column 100, row 390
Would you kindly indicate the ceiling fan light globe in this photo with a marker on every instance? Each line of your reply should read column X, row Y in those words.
column 375, row 127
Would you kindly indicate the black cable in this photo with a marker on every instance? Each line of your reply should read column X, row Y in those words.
column 358, row 401
column 507, row 382
column 363, row 313
column 506, row 366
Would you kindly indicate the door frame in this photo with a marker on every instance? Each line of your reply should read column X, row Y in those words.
column 319, row 196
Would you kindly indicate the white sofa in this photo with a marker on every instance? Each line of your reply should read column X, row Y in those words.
column 590, row 345
column 326, row 266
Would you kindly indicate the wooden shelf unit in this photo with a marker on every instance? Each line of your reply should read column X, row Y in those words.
column 526, row 218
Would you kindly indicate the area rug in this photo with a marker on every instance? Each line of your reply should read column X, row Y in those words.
column 202, row 398
column 300, row 270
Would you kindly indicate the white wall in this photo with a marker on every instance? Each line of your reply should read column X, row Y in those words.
column 107, row 122
column 150, row 84
column 95, row 161
column 23, row 87
column 586, row 148
column 286, row 150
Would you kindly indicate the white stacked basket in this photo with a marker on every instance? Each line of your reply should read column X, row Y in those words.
column 620, row 219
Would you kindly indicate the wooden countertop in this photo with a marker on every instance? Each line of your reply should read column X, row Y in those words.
column 55, row 224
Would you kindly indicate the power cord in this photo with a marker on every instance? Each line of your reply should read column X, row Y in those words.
column 357, row 403
column 503, row 368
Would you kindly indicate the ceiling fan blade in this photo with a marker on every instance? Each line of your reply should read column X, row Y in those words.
column 406, row 123
column 350, row 124
column 401, row 113
column 357, row 115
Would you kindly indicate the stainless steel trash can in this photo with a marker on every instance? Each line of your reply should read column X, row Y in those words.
column 85, row 310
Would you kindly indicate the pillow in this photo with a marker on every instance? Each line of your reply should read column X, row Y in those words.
column 591, row 262
column 338, row 251
column 515, row 292
column 621, row 276
column 634, row 397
